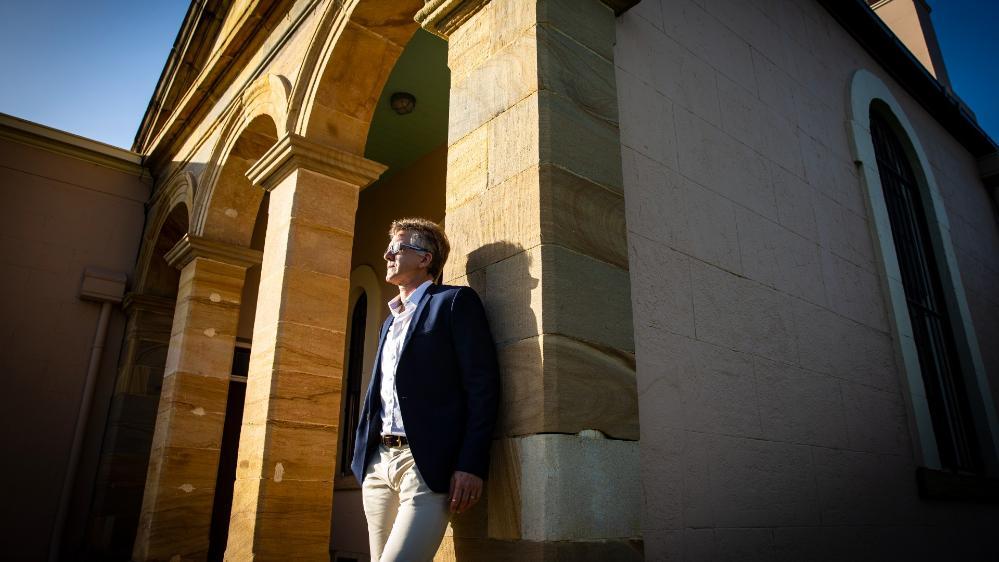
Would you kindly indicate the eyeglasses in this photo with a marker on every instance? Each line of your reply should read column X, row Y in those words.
column 395, row 248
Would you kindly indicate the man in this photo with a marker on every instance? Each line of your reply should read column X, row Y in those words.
column 422, row 447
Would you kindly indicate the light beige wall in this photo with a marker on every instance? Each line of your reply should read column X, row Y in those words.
column 60, row 215
column 772, row 417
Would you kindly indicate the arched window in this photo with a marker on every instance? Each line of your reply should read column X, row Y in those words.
column 932, row 328
column 352, row 388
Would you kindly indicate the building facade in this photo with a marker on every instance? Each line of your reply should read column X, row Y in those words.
column 740, row 260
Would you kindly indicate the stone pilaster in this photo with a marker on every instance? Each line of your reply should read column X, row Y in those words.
column 535, row 213
column 180, row 484
column 284, row 481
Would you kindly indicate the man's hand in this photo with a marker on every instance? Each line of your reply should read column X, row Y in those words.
column 466, row 489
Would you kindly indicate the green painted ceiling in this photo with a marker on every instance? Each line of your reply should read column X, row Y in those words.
column 400, row 140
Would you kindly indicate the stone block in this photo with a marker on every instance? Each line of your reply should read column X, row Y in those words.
column 467, row 169
column 837, row 346
column 740, row 314
column 843, row 232
column 285, row 450
column 389, row 20
column 306, row 349
column 472, row 43
column 864, row 489
column 351, row 63
column 502, row 221
column 582, row 216
column 662, row 455
column 743, row 115
column 318, row 249
column 692, row 385
column 794, row 203
column 306, row 297
column 754, row 545
column 661, row 292
column 574, row 139
column 496, row 84
column 761, row 483
column 832, row 173
column 570, row 69
column 514, row 140
column 724, row 165
column 556, row 384
column 854, row 292
column 295, row 510
column 599, row 498
column 184, row 391
column 876, row 420
column 780, row 258
column 686, row 80
column 646, row 120
column 297, row 397
column 601, row 314
column 691, row 26
column 799, row 406
column 312, row 198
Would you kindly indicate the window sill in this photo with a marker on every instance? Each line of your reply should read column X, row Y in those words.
column 951, row 486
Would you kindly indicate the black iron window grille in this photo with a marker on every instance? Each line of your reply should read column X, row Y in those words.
column 924, row 294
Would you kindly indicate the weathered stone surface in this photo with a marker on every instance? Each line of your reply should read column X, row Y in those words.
column 662, row 295
column 800, row 406
column 740, row 314
column 289, row 432
column 191, row 413
column 779, row 258
column 569, row 498
column 554, row 384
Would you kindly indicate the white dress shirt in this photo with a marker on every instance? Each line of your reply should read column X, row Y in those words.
column 403, row 312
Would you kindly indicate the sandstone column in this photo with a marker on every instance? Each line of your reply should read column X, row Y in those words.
column 535, row 213
column 131, row 421
column 180, row 484
column 284, row 481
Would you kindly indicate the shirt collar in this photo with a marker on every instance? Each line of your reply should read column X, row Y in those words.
column 395, row 305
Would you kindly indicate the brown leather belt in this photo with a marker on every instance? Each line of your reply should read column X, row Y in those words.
column 394, row 441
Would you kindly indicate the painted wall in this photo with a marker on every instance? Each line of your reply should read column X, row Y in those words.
column 60, row 215
column 772, row 417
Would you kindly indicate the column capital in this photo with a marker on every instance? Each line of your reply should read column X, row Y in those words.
column 293, row 152
column 191, row 247
column 442, row 17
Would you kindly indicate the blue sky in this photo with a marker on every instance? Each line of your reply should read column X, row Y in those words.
column 90, row 66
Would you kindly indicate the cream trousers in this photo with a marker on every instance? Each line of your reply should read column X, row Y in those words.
column 406, row 519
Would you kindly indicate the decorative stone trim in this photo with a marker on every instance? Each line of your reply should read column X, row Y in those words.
column 293, row 152
column 443, row 17
column 148, row 303
column 191, row 247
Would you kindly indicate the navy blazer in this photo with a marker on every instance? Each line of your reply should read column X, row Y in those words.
column 448, row 387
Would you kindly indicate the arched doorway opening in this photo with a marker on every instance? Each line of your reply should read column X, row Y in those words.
column 413, row 146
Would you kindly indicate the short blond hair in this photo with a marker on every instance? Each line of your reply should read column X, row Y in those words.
column 425, row 234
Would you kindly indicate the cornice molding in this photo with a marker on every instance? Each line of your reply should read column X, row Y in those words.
column 443, row 17
column 68, row 144
column 293, row 152
column 191, row 247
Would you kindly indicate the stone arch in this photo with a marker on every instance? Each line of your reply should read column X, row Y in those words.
column 867, row 93
column 169, row 219
column 332, row 103
column 226, row 207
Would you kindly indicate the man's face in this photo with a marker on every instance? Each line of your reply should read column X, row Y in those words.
column 408, row 265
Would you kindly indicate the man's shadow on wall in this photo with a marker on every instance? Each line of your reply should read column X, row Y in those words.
column 501, row 273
